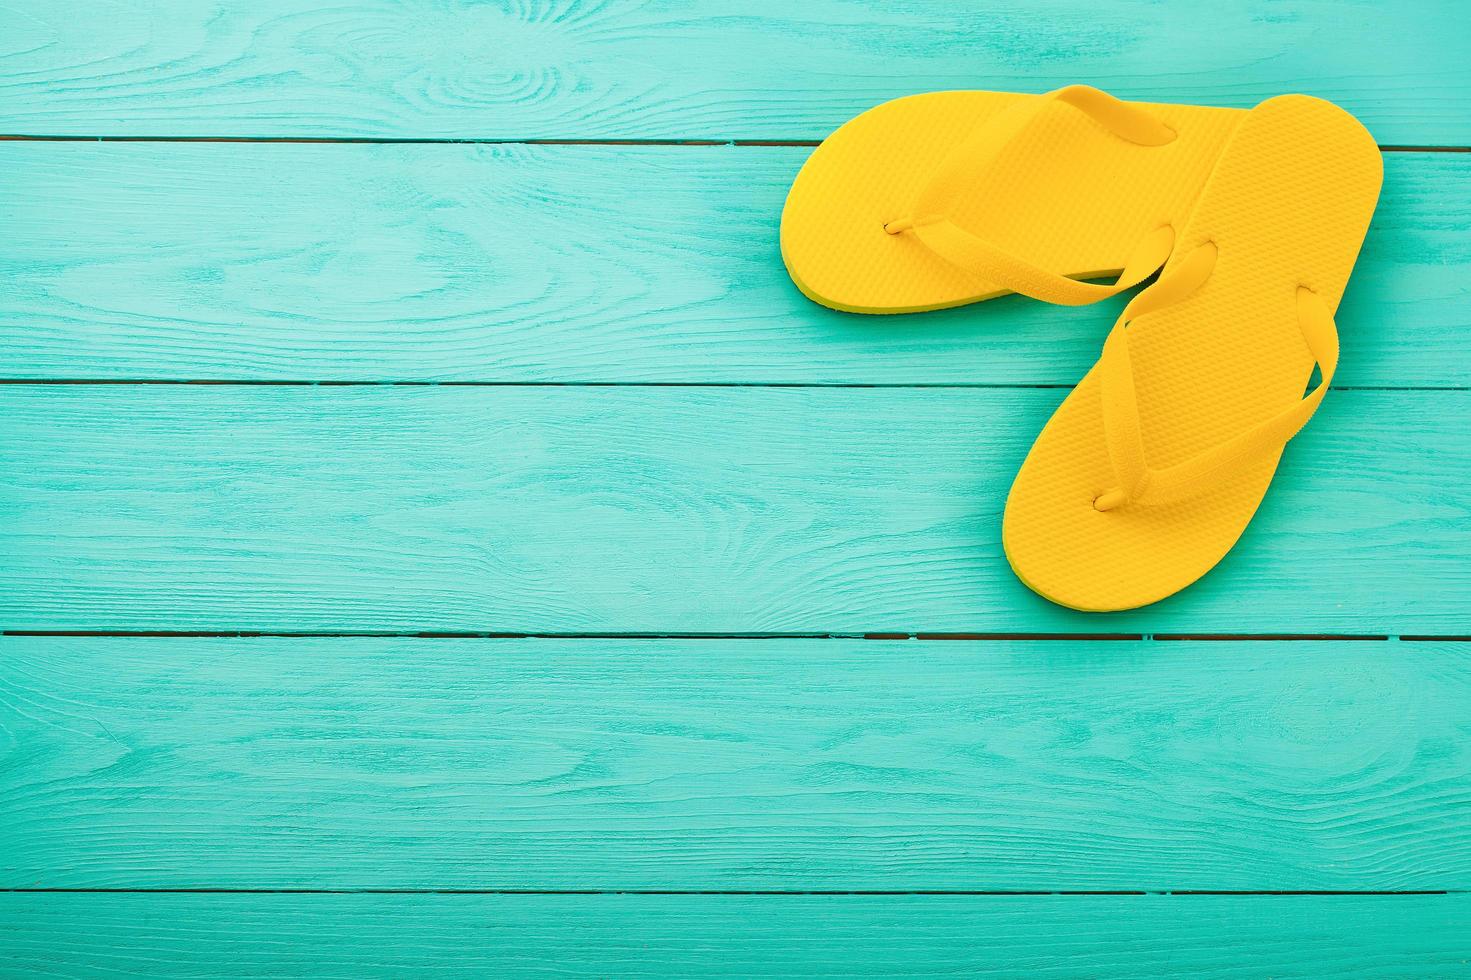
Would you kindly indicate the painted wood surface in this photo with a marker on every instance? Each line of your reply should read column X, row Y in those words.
column 688, row 510
column 563, row 264
column 1369, row 937
column 267, row 763
column 763, row 69
column 698, row 765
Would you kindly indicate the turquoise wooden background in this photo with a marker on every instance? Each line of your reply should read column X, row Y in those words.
column 436, row 537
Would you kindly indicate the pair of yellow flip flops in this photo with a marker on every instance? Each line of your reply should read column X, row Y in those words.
column 1152, row 467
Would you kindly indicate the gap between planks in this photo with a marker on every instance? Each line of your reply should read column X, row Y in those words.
column 1185, row 893
column 918, row 636
column 327, row 383
column 521, row 141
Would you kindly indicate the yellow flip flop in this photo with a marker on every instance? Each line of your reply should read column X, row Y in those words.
column 1152, row 467
column 947, row 198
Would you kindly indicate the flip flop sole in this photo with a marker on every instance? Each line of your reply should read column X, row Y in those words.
column 1287, row 206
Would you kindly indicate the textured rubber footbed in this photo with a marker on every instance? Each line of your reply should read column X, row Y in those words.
column 1066, row 194
column 1287, row 205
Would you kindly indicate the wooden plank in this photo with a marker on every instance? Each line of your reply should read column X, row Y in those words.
column 664, row 510
column 667, row 70
column 1370, row 937
column 734, row 764
column 631, row 264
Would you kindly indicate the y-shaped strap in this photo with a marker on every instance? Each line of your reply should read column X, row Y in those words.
column 1140, row 485
column 928, row 220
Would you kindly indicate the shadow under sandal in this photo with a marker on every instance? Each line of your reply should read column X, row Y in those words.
column 1152, row 467
column 948, row 198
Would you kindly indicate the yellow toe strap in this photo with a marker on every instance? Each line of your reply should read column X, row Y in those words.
column 928, row 219
column 995, row 264
column 1138, row 484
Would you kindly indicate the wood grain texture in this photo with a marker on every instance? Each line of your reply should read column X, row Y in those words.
column 704, row 510
column 1368, row 937
column 676, row 70
column 564, row 264
column 734, row 764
